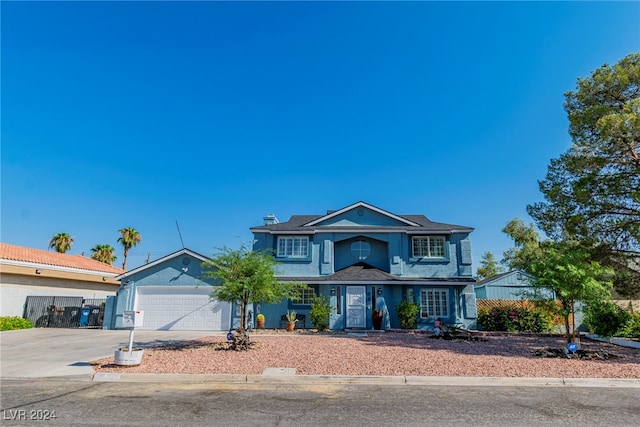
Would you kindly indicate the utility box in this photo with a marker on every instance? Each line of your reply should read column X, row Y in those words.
column 132, row 319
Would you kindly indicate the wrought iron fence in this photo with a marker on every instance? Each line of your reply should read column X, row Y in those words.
column 64, row 312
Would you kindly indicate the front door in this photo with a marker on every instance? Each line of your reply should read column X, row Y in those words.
column 356, row 307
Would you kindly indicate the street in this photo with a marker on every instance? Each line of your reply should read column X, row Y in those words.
column 82, row 402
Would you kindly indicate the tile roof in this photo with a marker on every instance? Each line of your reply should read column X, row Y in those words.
column 39, row 256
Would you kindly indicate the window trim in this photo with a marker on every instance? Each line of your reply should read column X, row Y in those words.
column 307, row 241
column 312, row 290
column 423, row 258
column 443, row 305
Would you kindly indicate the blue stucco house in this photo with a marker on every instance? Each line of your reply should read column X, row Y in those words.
column 364, row 258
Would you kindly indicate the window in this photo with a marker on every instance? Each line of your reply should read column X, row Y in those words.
column 360, row 249
column 429, row 247
column 434, row 303
column 293, row 247
column 305, row 296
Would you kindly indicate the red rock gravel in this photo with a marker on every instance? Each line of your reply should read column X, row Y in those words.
column 401, row 354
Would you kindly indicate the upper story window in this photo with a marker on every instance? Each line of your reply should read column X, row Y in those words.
column 293, row 247
column 429, row 247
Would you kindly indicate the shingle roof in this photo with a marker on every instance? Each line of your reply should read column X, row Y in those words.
column 501, row 275
column 152, row 264
column 424, row 225
column 39, row 256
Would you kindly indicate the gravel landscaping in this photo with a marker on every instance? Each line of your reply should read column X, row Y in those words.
column 388, row 353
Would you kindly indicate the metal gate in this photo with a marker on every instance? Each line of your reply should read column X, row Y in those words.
column 64, row 312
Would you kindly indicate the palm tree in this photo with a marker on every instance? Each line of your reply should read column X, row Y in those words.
column 129, row 238
column 61, row 242
column 103, row 253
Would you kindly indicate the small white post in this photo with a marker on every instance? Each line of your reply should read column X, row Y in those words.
column 130, row 339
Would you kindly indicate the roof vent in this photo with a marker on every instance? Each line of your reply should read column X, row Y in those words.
column 270, row 219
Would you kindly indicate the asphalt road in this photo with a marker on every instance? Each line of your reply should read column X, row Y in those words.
column 26, row 402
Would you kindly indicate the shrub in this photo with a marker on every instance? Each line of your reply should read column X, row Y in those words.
column 10, row 323
column 605, row 318
column 408, row 314
column 514, row 319
column 320, row 312
column 631, row 329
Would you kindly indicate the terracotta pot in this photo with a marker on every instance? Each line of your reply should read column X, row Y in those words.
column 291, row 326
column 260, row 324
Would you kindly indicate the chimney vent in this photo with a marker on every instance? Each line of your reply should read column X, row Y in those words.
column 270, row 219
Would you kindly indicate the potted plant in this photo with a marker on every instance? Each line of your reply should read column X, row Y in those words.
column 378, row 315
column 260, row 321
column 408, row 312
column 291, row 320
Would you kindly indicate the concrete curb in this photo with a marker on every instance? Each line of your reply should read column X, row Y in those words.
column 370, row 380
column 617, row 341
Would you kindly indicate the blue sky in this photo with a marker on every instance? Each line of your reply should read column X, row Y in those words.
column 213, row 114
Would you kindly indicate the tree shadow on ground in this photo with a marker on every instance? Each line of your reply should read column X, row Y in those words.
column 534, row 346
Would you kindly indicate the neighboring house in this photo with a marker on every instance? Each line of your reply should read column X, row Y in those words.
column 34, row 272
column 506, row 288
column 171, row 294
column 511, row 285
column 364, row 258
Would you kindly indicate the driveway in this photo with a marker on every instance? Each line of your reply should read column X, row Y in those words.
column 51, row 352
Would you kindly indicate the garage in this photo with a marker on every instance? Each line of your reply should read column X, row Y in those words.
column 182, row 308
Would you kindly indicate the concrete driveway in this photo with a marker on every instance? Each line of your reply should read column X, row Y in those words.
column 51, row 352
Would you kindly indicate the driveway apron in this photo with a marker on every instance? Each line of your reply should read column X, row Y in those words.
column 50, row 352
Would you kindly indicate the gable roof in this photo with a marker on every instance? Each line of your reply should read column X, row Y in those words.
column 410, row 224
column 183, row 251
column 489, row 281
column 360, row 205
column 361, row 271
column 30, row 257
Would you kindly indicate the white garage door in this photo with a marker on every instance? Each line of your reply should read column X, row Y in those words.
column 182, row 308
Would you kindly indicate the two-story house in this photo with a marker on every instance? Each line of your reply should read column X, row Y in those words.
column 364, row 258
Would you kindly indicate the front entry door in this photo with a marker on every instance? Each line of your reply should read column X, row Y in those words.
column 356, row 307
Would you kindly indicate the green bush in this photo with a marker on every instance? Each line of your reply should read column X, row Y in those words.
column 408, row 314
column 631, row 329
column 605, row 318
column 8, row 323
column 514, row 319
column 320, row 312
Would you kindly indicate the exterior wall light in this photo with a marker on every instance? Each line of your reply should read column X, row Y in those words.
column 379, row 291
column 38, row 271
